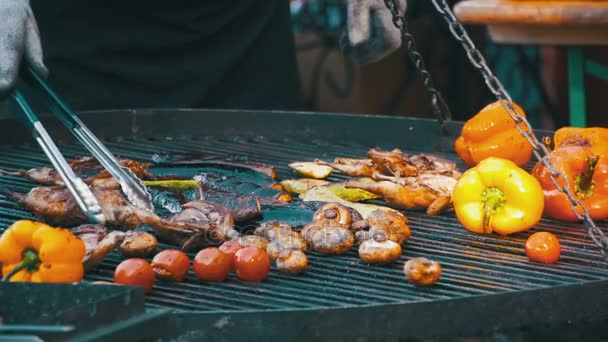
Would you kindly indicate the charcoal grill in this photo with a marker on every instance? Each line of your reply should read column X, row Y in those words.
column 487, row 284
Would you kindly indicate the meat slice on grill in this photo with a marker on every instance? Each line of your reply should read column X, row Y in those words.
column 81, row 166
column 352, row 167
column 209, row 223
column 431, row 192
column 392, row 163
column 198, row 224
column 57, row 206
column 98, row 242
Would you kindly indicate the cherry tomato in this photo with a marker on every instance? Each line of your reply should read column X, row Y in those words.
column 135, row 271
column 252, row 263
column 543, row 247
column 211, row 264
column 171, row 264
column 230, row 248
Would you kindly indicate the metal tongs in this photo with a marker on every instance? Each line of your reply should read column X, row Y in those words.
column 132, row 187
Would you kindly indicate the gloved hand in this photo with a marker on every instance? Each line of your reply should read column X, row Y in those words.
column 19, row 38
column 371, row 34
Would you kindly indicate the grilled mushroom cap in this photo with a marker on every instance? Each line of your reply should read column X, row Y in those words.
column 292, row 262
column 393, row 222
column 285, row 242
column 333, row 214
column 332, row 240
column 379, row 250
column 422, row 271
column 138, row 244
column 271, row 229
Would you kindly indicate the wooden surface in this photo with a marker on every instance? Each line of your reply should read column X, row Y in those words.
column 539, row 22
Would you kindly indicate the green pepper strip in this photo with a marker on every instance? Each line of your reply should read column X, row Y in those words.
column 174, row 185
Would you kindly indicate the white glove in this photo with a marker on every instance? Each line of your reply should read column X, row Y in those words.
column 19, row 38
column 371, row 34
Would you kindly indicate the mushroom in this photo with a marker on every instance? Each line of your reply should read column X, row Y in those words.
column 292, row 262
column 333, row 214
column 253, row 240
column 332, row 240
column 422, row 271
column 379, row 250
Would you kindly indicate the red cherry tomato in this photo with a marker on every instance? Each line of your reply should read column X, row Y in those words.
column 230, row 248
column 135, row 271
column 252, row 263
column 171, row 264
column 211, row 264
column 543, row 247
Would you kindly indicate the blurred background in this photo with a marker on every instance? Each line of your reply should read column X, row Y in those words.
column 536, row 77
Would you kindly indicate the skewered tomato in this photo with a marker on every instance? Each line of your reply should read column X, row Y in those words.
column 211, row 264
column 230, row 248
column 171, row 264
column 135, row 271
column 252, row 263
column 543, row 247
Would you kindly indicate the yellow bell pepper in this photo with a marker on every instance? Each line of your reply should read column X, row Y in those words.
column 33, row 251
column 498, row 196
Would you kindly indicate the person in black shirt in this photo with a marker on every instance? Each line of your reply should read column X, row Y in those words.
column 162, row 54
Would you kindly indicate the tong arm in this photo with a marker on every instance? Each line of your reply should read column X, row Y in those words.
column 81, row 192
column 131, row 186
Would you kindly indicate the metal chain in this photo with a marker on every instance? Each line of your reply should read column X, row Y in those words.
column 540, row 151
column 439, row 106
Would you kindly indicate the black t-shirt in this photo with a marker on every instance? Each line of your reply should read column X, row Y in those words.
column 180, row 53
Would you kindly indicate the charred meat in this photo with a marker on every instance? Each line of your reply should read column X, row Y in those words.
column 352, row 167
column 138, row 244
column 205, row 223
column 98, row 242
column 410, row 196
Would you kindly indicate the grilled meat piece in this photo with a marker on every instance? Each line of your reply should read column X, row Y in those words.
column 243, row 207
column 98, row 242
column 379, row 250
column 138, row 245
column 206, row 223
column 418, row 195
column 431, row 164
column 352, row 167
column 49, row 176
column 196, row 225
column 253, row 240
column 292, row 262
column 392, row 163
column 56, row 205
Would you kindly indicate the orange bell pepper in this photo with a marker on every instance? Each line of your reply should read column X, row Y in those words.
column 596, row 137
column 33, row 251
column 587, row 174
column 493, row 133
column 497, row 196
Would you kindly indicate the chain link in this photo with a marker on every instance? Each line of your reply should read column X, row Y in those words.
column 438, row 105
column 540, row 151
